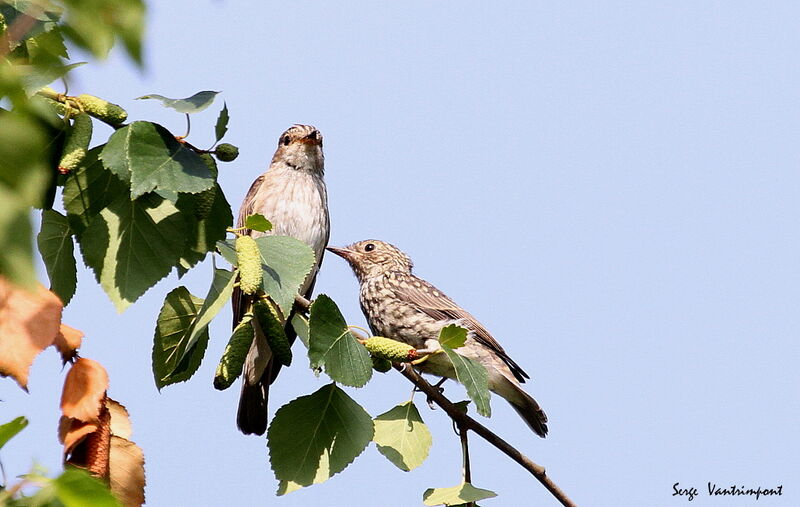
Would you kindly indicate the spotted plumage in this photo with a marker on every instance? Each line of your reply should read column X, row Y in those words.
column 401, row 306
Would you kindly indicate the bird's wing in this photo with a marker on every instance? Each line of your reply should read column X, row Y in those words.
column 249, row 202
column 434, row 303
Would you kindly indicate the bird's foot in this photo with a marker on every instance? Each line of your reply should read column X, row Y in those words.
column 438, row 387
column 425, row 354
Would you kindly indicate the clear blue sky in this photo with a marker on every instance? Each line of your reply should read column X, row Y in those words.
column 610, row 187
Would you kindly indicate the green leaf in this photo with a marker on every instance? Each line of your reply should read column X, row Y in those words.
column 23, row 161
column 194, row 104
column 131, row 245
column 257, row 222
column 286, row 487
column 40, row 76
column 16, row 256
column 95, row 25
column 11, row 428
column 218, row 294
column 288, row 261
column 333, row 346
column 149, row 156
column 89, row 189
column 173, row 328
column 55, row 245
column 23, row 182
column 300, row 325
column 76, row 488
column 221, row 128
column 402, row 436
column 475, row 379
column 316, row 436
column 452, row 336
column 463, row 493
column 50, row 43
column 204, row 234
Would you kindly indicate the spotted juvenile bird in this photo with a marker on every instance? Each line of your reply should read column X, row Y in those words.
column 406, row 308
column 292, row 195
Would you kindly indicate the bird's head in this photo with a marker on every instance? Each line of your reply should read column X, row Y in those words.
column 370, row 258
column 301, row 148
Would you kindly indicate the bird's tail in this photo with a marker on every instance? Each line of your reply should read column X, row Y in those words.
column 525, row 406
column 259, row 371
column 252, row 415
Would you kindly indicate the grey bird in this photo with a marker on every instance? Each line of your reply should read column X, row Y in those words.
column 403, row 307
column 292, row 195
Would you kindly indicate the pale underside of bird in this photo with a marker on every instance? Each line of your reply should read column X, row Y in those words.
column 292, row 195
column 403, row 307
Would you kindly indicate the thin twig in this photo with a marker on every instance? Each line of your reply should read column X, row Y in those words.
column 188, row 126
column 462, row 434
column 465, row 468
column 466, row 422
column 302, row 303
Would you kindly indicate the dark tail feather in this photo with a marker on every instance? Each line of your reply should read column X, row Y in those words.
column 252, row 415
column 531, row 412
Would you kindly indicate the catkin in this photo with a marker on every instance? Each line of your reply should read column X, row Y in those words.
column 232, row 360
column 248, row 258
column 389, row 349
column 102, row 109
column 77, row 143
column 272, row 326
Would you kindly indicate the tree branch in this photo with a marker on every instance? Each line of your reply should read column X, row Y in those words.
column 465, row 422
column 302, row 303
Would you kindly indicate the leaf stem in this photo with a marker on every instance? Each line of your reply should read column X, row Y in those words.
column 188, row 126
column 462, row 434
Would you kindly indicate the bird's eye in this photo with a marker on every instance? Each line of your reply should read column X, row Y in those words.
column 369, row 247
column 286, row 140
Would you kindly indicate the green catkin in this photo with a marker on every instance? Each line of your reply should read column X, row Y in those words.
column 226, row 152
column 232, row 360
column 76, row 144
column 102, row 109
column 248, row 259
column 392, row 350
column 272, row 326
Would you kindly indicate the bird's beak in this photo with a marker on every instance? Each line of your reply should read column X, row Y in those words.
column 344, row 253
column 312, row 138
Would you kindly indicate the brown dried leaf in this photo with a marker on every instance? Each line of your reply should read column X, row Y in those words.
column 127, row 472
column 84, row 390
column 120, row 419
column 72, row 431
column 92, row 453
column 29, row 322
column 68, row 341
